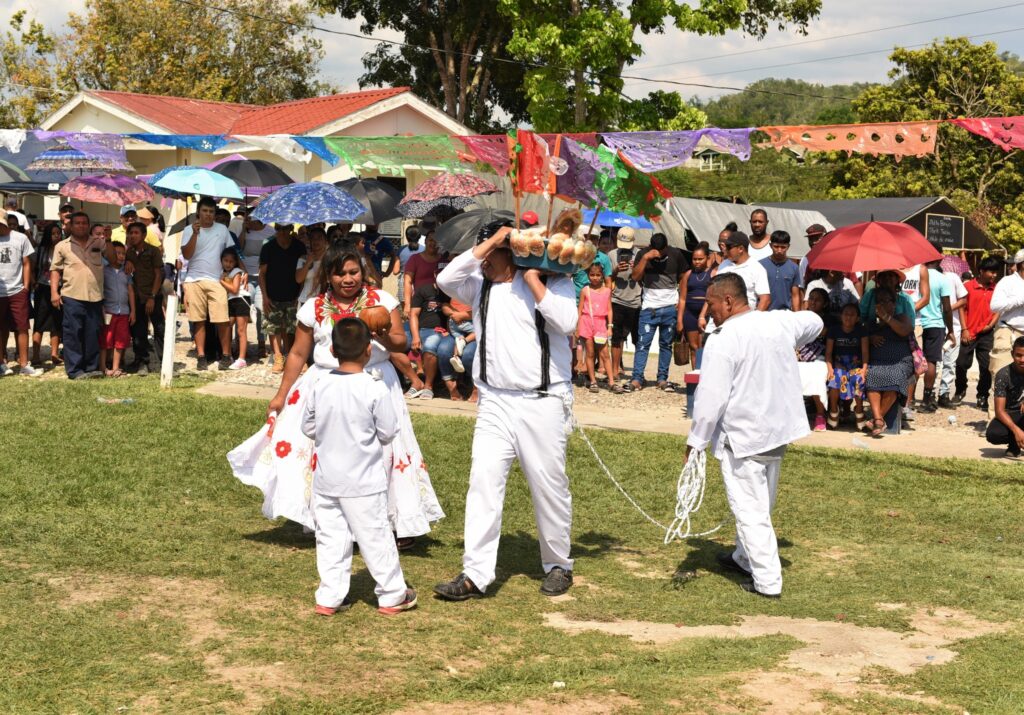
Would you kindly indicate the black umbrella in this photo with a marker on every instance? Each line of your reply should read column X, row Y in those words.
column 253, row 172
column 458, row 235
column 380, row 197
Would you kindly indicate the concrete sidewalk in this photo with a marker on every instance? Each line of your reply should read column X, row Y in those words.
column 925, row 442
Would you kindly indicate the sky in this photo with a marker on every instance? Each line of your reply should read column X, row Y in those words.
column 732, row 60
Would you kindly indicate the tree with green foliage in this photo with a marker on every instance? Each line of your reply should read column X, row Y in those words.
column 580, row 48
column 27, row 84
column 949, row 79
column 769, row 176
column 660, row 111
column 249, row 51
column 454, row 56
column 769, row 102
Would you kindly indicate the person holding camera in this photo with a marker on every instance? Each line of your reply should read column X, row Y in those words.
column 625, row 298
column 660, row 271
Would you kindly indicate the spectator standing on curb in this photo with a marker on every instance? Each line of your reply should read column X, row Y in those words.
column 660, row 270
column 279, row 259
column 1008, row 301
column 201, row 245
column 76, row 285
column 147, row 263
column 253, row 236
column 951, row 349
column 626, row 297
column 15, row 279
column 783, row 274
column 976, row 337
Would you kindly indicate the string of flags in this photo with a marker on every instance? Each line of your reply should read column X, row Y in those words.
column 607, row 169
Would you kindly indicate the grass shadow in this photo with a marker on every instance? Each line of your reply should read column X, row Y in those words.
column 288, row 534
column 703, row 555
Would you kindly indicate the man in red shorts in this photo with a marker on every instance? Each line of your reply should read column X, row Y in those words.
column 15, row 276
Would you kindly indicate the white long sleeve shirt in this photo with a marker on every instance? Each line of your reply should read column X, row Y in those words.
column 512, row 343
column 750, row 392
column 1008, row 301
column 349, row 416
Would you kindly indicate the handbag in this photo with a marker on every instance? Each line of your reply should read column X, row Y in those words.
column 681, row 353
column 920, row 364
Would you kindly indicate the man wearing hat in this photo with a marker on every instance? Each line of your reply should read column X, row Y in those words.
column 626, row 295
column 523, row 372
column 128, row 216
column 814, row 233
column 530, row 219
column 1008, row 302
column 15, row 277
column 755, row 278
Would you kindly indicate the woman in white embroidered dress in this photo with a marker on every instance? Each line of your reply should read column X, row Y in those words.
column 279, row 459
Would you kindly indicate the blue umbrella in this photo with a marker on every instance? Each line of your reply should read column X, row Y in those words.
column 167, row 192
column 192, row 180
column 612, row 218
column 308, row 203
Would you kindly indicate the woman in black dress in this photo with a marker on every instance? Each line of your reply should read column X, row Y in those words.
column 45, row 317
column 892, row 363
column 691, row 302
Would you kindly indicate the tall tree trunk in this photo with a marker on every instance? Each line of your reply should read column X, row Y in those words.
column 579, row 79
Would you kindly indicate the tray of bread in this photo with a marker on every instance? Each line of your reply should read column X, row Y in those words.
column 563, row 251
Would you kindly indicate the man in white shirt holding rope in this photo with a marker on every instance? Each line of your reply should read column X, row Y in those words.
column 749, row 405
column 523, row 372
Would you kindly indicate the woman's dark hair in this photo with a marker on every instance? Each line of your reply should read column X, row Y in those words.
column 334, row 260
column 731, row 226
column 704, row 247
column 824, row 296
column 412, row 234
column 46, row 235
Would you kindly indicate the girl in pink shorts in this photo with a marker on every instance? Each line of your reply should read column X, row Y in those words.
column 595, row 325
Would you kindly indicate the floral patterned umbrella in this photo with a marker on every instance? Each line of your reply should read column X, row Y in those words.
column 447, row 186
column 955, row 264
column 107, row 189
column 64, row 158
column 308, row 203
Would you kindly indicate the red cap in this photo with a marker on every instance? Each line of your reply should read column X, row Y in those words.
column 531, row 218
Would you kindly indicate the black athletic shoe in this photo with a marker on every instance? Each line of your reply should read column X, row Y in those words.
column 983, row 404
column 959, row 397
column 726, row 561
column 749, row 587
column 946, row 403
column 556, row 582
column 458, row 589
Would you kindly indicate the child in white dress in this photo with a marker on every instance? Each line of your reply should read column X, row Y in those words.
column 349, row 417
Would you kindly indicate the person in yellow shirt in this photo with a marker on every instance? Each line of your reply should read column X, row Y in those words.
column 153, row 235
column 128, row 216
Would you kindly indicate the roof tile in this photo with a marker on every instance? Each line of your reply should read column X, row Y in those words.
column 180, row 115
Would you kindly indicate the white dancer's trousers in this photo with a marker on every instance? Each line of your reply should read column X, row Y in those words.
column 339, row 522
column 510, row 425
column 750, row 486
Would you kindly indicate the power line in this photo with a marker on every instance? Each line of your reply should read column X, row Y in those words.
column 829, row 59
column 826, row 39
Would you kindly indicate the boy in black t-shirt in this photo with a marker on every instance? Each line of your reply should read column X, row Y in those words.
column 426, row 326
column 1008, row 426
column 279, row 260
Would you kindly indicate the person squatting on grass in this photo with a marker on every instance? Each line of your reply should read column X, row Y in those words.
column 1008, row 426
column 349, row 416
column 523, row 370
column 751, row 420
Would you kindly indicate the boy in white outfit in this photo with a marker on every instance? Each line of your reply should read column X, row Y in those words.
column 349, row 417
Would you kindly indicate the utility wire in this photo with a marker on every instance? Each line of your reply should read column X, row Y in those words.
column 826, row 39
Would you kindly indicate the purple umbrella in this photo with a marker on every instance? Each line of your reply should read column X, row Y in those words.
column 107, row 189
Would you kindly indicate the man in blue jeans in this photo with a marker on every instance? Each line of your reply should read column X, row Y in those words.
column 659, row 270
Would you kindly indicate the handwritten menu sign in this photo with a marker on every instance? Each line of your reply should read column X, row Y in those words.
column 944, row 231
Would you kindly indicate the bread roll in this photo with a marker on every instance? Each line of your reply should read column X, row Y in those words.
column 535, row 242
column 568, row 251
column 579, row 252
column 568, row 221
column 517, row 242
column 555, row 244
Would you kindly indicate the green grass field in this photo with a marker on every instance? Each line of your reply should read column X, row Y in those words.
column 137, row 575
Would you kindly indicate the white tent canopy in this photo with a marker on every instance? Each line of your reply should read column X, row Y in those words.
column 706, row 219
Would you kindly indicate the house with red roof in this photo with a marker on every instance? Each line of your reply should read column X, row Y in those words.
column 386, row 111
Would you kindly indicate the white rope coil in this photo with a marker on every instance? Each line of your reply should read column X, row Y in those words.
column 689, row 487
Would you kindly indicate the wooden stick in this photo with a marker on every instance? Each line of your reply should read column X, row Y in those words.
column 551, row 214
column 597, row 210
column 516, row 194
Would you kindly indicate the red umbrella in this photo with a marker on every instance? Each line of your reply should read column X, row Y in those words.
column 446, row 186
column 872, row 246
column 107, row 189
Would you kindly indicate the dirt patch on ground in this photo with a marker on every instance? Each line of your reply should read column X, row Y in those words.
column 196, row 604
column 833, row 655
column 561, row 706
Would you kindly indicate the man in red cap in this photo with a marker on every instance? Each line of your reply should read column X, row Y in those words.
column 814, row 233
column 530, row 219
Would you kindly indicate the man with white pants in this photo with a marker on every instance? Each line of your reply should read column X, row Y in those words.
column 523, row 370
column 749, row 405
